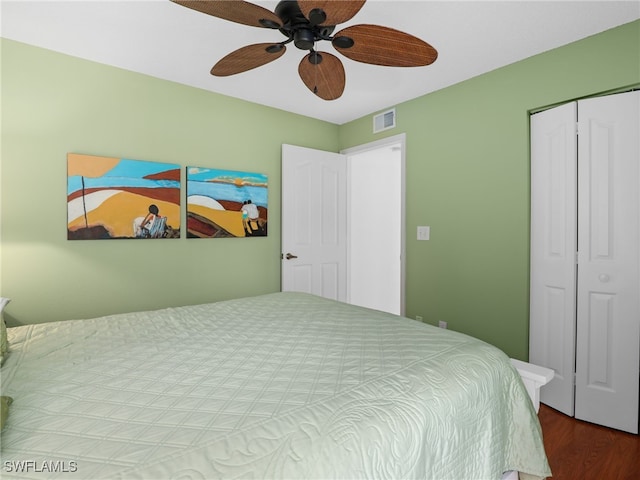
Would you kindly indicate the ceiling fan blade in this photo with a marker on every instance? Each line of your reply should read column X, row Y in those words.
column 237, row 11
column 326, row 79
column 384, row 46
column 248, row 57
column 330, row 12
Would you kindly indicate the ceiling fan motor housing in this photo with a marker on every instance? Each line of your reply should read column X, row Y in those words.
column 295, row 26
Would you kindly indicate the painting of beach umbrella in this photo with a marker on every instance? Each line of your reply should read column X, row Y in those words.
column 226, row 203
column 110, row 198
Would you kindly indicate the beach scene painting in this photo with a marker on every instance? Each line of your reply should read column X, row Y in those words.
column 226, row 203
column 118, row 198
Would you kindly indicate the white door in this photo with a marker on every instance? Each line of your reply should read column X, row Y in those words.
column 314, row 225
column 585, row 296
column 608, row 310
column 553, row 249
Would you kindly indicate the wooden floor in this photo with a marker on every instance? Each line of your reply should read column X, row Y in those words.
column 583, row 451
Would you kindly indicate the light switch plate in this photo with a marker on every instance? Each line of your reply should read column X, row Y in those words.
column 424, row 232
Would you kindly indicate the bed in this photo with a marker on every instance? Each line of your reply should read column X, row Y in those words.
column 283, row 385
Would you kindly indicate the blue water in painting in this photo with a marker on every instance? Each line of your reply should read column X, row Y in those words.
column 75, row 183
column 199, row 182
column 208, row 174
column 127, row 173
column 226, row 191
column 130, row 173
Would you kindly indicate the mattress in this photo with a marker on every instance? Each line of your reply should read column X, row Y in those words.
column 285, row 385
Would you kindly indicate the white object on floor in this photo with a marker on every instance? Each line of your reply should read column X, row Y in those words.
column 510, row 475
column 534, row 377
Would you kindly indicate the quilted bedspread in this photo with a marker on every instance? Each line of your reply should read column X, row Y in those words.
column 284, row 385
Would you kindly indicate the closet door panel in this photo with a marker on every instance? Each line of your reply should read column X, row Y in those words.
column 553, row 247
column 608, row 305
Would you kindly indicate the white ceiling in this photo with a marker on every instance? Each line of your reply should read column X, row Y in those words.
column 168, row 41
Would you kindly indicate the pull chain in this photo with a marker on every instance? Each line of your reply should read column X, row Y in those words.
column 315, row 63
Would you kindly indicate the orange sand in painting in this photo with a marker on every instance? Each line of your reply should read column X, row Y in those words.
column 118, row 212
column 89, row 165
column 230, row 220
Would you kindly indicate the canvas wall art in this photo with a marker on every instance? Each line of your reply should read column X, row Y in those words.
column 109, row 198
column 226, row 203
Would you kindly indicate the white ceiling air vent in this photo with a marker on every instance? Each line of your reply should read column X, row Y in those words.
column 384, row 120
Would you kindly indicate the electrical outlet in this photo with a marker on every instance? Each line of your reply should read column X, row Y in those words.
column 442, row 324
column 424, row 232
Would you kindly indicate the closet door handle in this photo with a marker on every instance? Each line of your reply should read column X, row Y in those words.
column 604, row 278
column 289, row 256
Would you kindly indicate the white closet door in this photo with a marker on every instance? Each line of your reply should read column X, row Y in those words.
column 553, row 249
column 608, row 304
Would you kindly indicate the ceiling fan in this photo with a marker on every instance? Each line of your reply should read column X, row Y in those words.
column 307, row 23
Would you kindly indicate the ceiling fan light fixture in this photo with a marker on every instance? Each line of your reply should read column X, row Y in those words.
column 343, row 42
column 317, row 16
column 266, row 23
column 314, row 58
column 275, row 48
column 304, row 39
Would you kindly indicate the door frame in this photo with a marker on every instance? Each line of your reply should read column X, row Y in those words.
column 399, row 139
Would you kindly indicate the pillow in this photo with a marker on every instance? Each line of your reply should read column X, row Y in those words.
column 4, row 347
column 4, row 410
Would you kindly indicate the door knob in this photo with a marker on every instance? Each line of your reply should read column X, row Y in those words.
column 289, row 256
column 604, row 278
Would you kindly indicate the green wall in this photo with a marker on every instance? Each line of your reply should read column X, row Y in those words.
column 53, row 104
column 468, row 178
